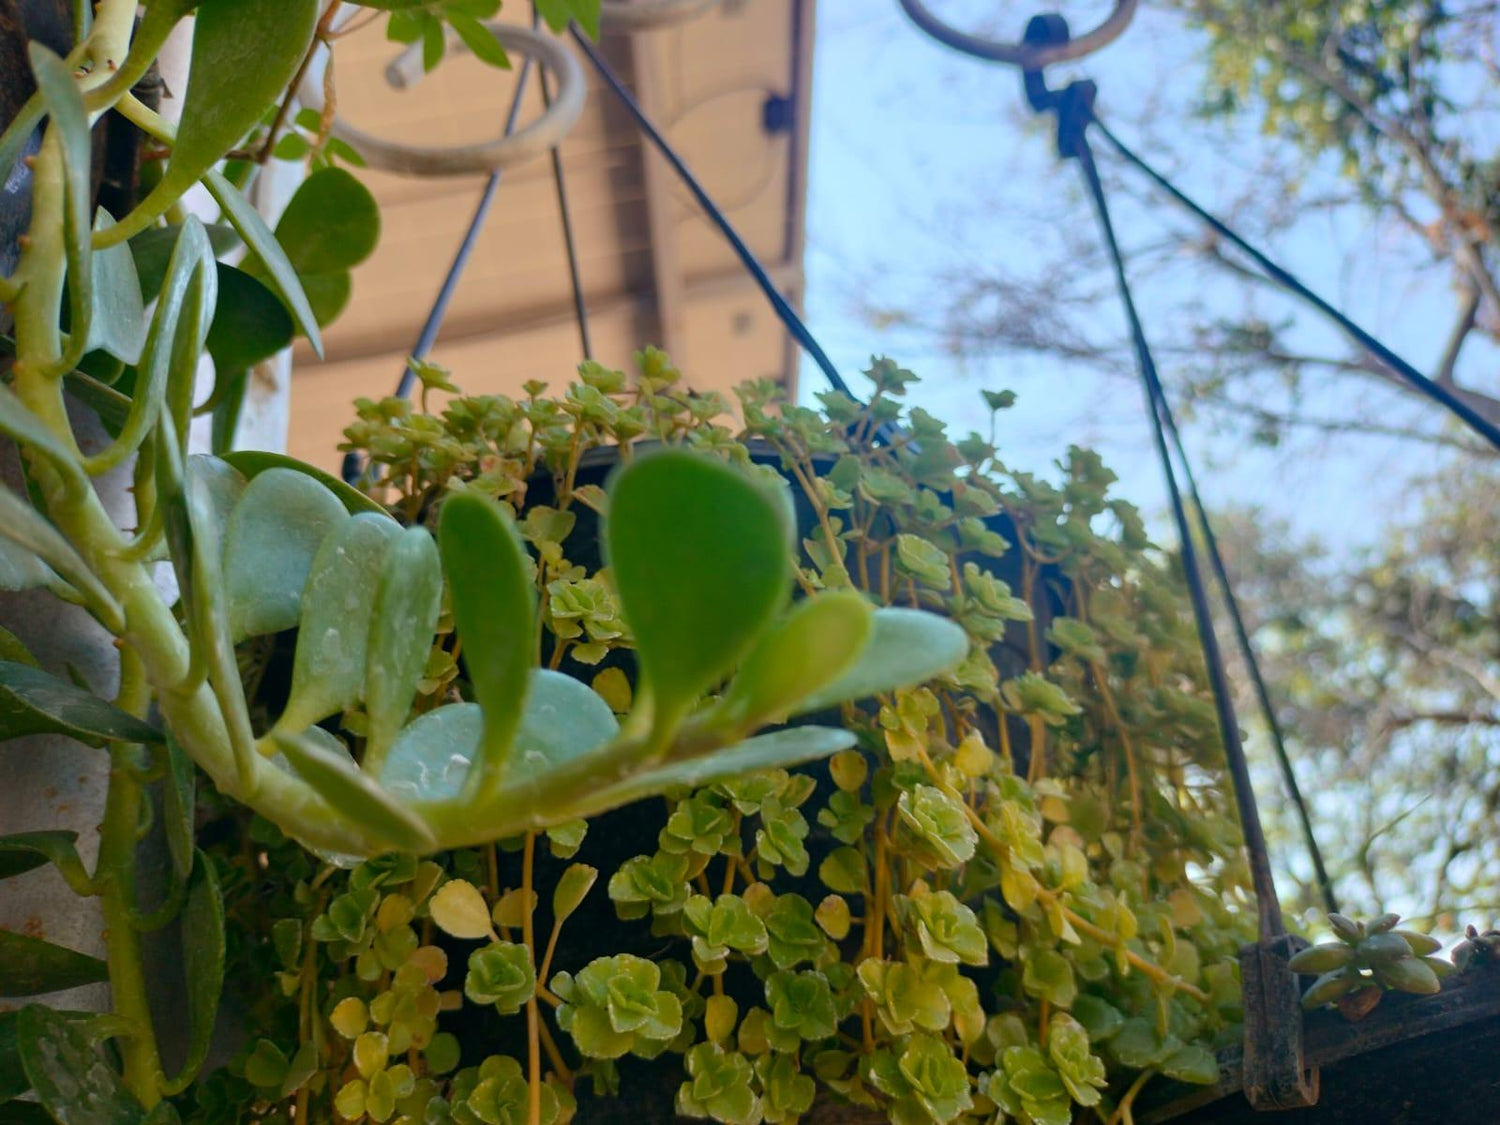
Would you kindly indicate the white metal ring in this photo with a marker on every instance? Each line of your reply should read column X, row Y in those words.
column 543, row 134
column 1027, row 56
column 638, row 15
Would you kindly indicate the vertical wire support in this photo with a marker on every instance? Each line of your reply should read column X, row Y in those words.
column 783, row 308
column 575, row 276
column 435, row 316
column 1252, row 665
column 1431, row 388
column 1268, row 905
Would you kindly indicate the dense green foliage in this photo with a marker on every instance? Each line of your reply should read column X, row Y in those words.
column 1022, row 891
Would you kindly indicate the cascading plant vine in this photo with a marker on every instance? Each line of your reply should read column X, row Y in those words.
column 260, row 545
column 1018, row 897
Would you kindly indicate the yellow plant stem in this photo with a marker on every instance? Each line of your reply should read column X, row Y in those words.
column 1122, row 1114
column 533, row 1016
column 1151, row 970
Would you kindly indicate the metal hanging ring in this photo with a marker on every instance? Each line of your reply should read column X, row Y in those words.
column 543, row 134
column 639, row 15
column 1024, row 55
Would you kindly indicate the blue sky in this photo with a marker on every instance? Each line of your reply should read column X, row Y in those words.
column 925, row 162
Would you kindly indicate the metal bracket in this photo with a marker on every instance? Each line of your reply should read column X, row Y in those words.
column 1275, row 1073
column 1073, row 103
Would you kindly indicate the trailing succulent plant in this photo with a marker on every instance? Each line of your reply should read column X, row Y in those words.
column 1367, row 959
column 1016, row 892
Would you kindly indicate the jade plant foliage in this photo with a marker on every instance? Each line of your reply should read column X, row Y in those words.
column 1015, row 894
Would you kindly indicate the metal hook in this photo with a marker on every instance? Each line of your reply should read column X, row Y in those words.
column 1027, row 55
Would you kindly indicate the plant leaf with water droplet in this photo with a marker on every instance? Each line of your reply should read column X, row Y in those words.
column 407, row 604
column 355, row 793
column 66, row 1068
column 328, row 672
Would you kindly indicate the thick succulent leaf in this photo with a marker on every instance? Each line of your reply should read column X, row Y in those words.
column 330, row 225
column 18, row 423
column 29, row 532
column 355, row 793
column 253, row 462
column 906, row 647
column 564, row 723
column 31, row 967
column 202, row 963
column 20, row 569
column 493, row 598
column 250, row 323
column 431, row 757
column 179, row 807
column 701, row 556
column 273, row 535
column 811, row 646
column 782, row 749
column 119, row 322
column 33, row 702
column 192, row 528
column 407, row 604
column 328, row 672
column 152, row 249
column 222, row 485
column 259, row 239
column 73, row 1082
column 167, row 351
column 244, row 54
column 24, row 851
column 70, row 124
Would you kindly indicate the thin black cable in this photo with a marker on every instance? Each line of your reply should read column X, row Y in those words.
column 1252, row 664
column 1268, row 906
column 779, row 303
column 435, row 316
column 575, row 277
column 1419, row 382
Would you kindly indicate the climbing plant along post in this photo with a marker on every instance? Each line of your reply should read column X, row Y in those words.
column 265, row 544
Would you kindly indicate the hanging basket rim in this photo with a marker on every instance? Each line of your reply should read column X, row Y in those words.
column 1328, row 1038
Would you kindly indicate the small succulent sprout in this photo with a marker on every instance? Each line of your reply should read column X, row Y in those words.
column 1477, row 949
column 1346, row 928
column 1369, row 958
